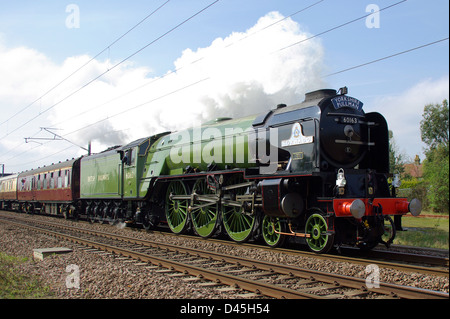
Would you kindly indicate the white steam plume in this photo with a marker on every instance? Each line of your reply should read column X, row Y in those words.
column 242, row 74
column 239, row 75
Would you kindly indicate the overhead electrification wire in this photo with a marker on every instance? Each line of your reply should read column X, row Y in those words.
column 42, row 158
column 168, row 73
column 339, row 26
column 276, row 22
column 117, row 114
column 114, row 66
column 191, row 63
column 81, row 67
column 319, row 34
column 387, row 57
column 314, row 36
column 141, row 104
column 205, row 79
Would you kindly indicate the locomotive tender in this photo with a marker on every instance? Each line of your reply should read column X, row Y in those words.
column 317, row 171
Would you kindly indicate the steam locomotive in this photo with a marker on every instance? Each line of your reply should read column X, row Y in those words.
column 317, row 171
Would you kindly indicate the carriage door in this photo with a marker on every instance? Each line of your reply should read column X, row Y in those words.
column 34, row 186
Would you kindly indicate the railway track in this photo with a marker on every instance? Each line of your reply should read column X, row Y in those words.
column 257, row 278
column 403, row 261
column 419, row 262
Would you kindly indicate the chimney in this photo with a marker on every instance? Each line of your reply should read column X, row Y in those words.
column 417, row 160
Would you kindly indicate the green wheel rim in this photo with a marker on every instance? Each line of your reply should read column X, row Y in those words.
column 320, row 241
column 269, row 225
column 237, row 223
column 204, row 219
column 177, row 209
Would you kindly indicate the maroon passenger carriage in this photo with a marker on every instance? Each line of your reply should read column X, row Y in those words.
column 52, row 189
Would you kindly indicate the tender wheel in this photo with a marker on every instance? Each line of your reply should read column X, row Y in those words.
column 204, row 219
column 237, row 222
column 91, row 213
column 316, row 226
column 177, row 209
column 269, row 226
column 30, row 209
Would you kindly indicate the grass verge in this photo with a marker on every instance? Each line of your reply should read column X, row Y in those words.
column 424, row 232
column 14, row 285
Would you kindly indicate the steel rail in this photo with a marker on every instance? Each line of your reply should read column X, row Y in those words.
column 402, row 261
column 365, row 259
column 211, row 275
column 333, row 279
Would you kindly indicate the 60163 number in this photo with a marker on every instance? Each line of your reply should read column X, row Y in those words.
column 349, row 120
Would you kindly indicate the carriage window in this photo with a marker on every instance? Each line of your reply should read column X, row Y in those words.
column 52, row 181
column 66, row 178
column 59, row 180
column 45, row 181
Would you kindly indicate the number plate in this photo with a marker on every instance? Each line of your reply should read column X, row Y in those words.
column 349, row 120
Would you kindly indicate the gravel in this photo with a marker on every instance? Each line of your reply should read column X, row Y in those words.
column 105, row 276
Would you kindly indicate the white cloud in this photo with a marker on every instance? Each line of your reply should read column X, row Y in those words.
column 404, row 112
column 235, row 76
column 24, row 72
column 241, row 74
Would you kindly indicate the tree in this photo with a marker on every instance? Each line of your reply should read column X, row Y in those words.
column 436, row 174
column 396, row 158
column 434, row 129
column 434, row 125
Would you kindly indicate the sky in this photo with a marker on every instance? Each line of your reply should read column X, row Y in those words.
column 115, row 71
